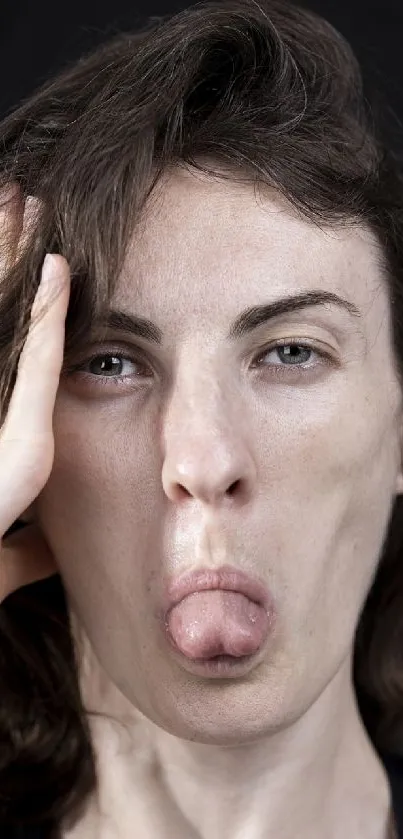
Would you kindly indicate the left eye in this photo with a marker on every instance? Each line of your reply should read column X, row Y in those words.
column 292, row 354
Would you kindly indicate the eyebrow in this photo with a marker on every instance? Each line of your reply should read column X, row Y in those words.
column 246, row 322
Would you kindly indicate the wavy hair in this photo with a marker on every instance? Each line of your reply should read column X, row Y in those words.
column 264, row 91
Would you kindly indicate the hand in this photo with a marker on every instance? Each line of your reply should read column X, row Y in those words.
column 26, row 436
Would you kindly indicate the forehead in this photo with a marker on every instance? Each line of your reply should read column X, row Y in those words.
column 207, row 238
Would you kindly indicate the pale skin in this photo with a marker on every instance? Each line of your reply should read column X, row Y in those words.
column 140, row 488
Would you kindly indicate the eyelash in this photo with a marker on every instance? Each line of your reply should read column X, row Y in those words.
column 281, row 369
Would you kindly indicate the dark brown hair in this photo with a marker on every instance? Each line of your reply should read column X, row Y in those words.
column 264, row 91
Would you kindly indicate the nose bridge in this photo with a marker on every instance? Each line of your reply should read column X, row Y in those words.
column 200, row 409
column 205, row 447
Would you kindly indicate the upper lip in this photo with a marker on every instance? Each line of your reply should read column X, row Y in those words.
column 227, row 577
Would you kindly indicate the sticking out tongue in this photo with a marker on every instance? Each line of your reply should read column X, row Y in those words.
column 216, row 622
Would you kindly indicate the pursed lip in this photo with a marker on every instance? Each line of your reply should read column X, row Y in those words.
column 226, row 578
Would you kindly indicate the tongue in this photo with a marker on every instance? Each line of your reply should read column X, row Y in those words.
column 216, row 622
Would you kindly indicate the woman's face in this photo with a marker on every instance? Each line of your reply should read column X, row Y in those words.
column 286, row 468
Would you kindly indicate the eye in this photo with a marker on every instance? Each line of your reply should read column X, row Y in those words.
column 110, row 365
column 292, row 354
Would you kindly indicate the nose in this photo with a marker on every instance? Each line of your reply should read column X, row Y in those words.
column 208, row 449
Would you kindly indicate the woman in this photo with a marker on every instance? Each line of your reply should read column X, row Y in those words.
column 202, row 425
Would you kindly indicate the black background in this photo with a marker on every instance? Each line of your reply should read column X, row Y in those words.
column 37, row 38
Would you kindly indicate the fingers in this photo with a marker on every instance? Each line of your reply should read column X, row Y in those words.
column 11, row 224
column 17, row 218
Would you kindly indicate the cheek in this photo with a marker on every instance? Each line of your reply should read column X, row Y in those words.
column 327, row 501
column 99, row 467
column 99, row 507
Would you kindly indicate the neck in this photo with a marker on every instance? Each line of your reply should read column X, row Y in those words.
column 319, row 776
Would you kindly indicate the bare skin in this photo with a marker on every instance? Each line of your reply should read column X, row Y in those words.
column 139, row 488
column 26, row 437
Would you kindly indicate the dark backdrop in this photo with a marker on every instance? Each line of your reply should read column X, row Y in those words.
column 37, row 37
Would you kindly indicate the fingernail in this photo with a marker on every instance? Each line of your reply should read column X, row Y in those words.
column 48, row 269
column 46, row 281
